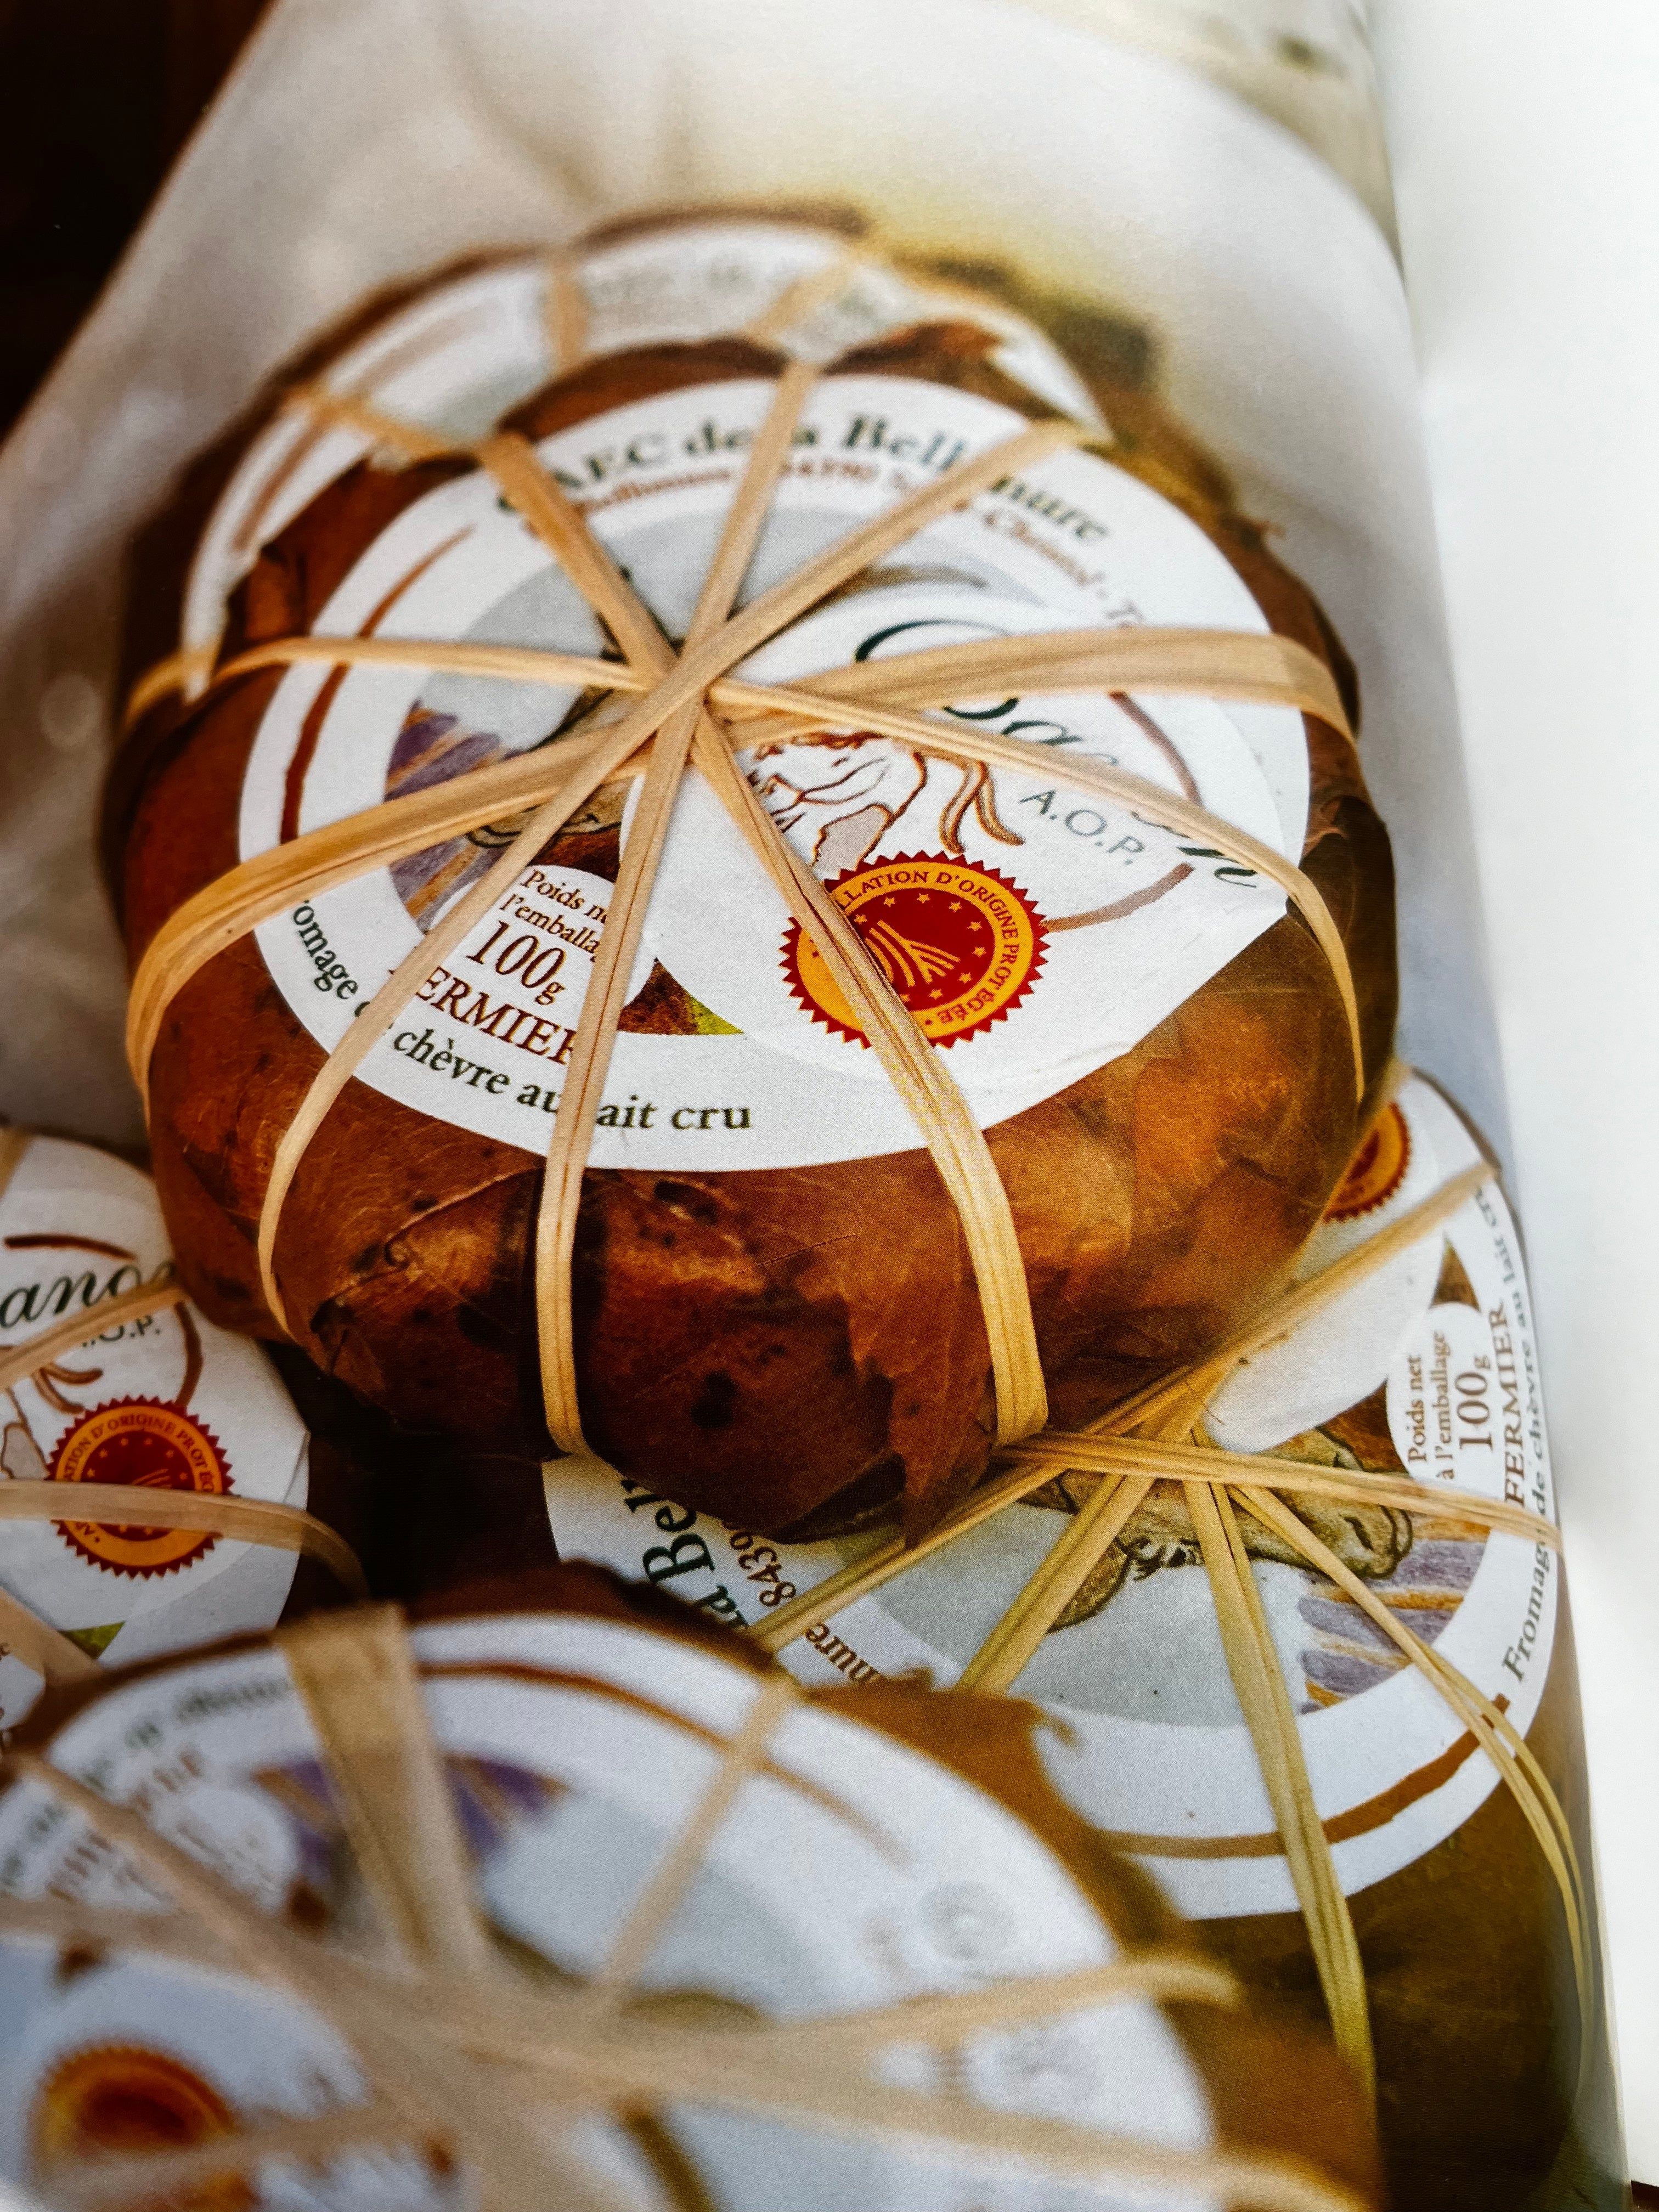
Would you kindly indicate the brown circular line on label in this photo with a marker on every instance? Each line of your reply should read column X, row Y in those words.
column 1362, row 1820
column 51, row 1242
column 1116, row 909
column 311, row 729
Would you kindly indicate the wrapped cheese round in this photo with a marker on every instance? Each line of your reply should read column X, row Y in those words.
column 772, row 1293
column 886, row 1850
column 1426, row 1368
column 164, row 1400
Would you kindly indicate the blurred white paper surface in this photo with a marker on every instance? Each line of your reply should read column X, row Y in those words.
column 1527, row 178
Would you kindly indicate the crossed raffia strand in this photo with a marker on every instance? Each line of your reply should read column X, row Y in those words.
column 282, row 1528
column 501, row 2068
column 1157, row 1436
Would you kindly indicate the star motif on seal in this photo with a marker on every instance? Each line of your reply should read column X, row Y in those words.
column 962, row 944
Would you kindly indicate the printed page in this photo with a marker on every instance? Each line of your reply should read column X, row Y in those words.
column 730, row 728
column 1526, row 192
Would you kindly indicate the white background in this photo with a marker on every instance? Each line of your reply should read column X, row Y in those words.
column 1525, row 137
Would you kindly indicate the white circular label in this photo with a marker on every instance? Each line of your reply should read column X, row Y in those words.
column 852, row 1873
column 1038, row 930
column 1429, row 1369
column 166, row 1401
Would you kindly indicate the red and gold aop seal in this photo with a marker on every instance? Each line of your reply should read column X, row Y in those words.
column 1377, row 1169
column 156, row 1446
column 960, row 944
column 121, row 2097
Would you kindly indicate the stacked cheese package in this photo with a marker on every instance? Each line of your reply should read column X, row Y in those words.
column 756, row 930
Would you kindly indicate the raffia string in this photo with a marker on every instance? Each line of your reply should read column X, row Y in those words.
column 819, row 287
column 1271, row 1724
column 382, row 1011
column 1159, row 1445
column 355, row 1673
column 674, row 717
column 959, row 1146
column 1258, row 1679
column 1046, row 1455
column 1014, row 1638
column 677, row 1868
column 74, row 1925
column 1249, row 1646
column 243, row 1520
column 1491, row 1729
column 1252, row 666
column 1258, row 666
column 565, row 315
column 150, row 2176
column 51, row 1654
column 1150, row 1974
column 185, row 672
column 563, row 530
column 1166, row 1977
column 14, row 1143
column 1174, row 1462
column 1259, row 1683
column 21, row 1360
column 953, row 1136
column 918, row 1075
column 426, row 2061
column 348, row 410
